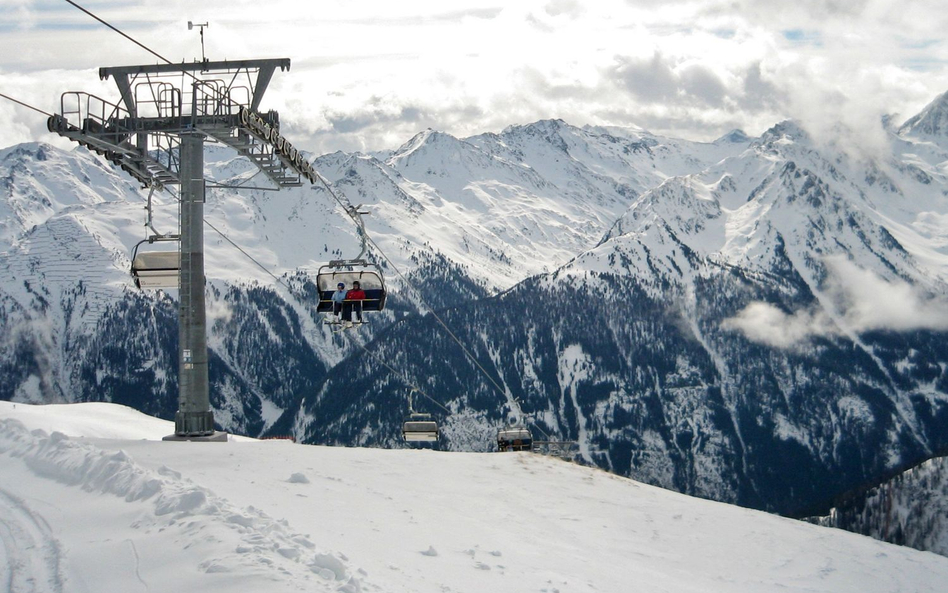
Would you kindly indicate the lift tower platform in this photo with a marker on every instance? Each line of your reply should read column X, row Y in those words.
column 156, row 134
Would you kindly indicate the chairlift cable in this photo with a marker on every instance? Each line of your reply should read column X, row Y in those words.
column 28, row 106
column 238, row 247
column 404, row 378
column 126, row 36
column 379, row 359
column 421, row 298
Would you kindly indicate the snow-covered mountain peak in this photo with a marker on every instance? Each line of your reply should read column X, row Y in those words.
column 424, row 143
column 931, row 122
column 539, row 127
column 735, row 136
column 38, row 181
column 787, row 131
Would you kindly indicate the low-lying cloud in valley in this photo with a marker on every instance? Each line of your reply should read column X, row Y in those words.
column 861, row 301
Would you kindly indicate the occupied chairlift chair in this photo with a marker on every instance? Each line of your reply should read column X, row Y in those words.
column 155, row 269
column 514, row 438
column 419, row 428
column 347, row 271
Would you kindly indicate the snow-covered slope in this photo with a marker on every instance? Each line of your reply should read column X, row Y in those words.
column 90, row 513
column 931, row 123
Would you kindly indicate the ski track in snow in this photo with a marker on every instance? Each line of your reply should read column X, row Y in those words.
column 226, row 539
column 32, row 555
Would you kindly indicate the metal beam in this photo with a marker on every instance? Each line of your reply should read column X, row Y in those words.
column 263, row 80
column 205, row 67
column 125, row 88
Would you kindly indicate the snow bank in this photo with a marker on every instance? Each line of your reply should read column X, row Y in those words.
column 241, row 541
column 96, row 420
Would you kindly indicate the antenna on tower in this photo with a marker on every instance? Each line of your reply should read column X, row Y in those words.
column 201, row 27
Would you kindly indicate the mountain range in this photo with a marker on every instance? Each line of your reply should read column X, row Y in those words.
column 756, row 320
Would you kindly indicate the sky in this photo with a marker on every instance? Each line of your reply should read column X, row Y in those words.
column 369, row 75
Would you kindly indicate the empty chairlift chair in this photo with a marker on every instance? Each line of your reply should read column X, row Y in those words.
column 420, row 428
column 155, row 269
column 348, row 271
column 514, row 438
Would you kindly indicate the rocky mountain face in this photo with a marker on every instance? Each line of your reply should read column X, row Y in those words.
column 768, row 331
column 755, row 320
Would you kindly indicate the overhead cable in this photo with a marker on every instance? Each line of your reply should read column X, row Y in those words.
column 28, row 106
column 421, row 298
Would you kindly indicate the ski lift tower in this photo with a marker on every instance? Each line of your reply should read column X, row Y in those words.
column 156, row 134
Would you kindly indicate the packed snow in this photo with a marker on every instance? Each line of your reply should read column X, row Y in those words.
column 92, row 500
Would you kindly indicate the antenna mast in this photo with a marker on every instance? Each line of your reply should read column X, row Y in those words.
column 201, row 27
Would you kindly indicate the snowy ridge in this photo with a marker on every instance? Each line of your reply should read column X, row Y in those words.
column 931, row 123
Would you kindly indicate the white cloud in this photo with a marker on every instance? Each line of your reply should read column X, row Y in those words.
column 870, row 302
column 766, row 324
column 864, row 301
column 369, row 75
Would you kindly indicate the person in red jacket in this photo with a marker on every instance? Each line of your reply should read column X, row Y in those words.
column 354, row 299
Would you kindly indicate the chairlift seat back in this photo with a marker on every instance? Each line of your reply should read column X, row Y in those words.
column 420, row 430
column 156, row 269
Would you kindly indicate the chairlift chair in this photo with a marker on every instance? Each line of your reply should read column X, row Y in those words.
column 155, row 269
column 514, row 438
column 368, row 275
column 347, row 271
column 420, row 428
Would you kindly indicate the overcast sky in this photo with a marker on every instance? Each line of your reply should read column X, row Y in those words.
column 369, row 75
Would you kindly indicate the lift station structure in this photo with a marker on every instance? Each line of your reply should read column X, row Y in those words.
column 156, row 134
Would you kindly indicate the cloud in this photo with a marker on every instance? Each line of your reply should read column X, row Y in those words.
column 766, row 324
column 681, row 68
column 869, row 302
column 650, row 79
column 570, row 8
column 863, row 302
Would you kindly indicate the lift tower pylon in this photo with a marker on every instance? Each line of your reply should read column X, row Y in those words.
column 156, row 134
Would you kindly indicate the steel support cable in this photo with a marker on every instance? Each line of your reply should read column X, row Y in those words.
column 425, row 303
column 28, row 106
column 239, row 248
column 379, row 359
column 371, row 241
column 404, row 378
column 141, row 45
